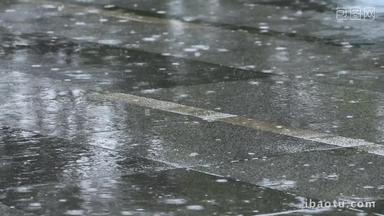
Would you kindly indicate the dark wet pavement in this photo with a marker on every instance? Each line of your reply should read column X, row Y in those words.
column 226, row 108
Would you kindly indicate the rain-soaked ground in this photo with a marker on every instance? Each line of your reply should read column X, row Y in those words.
column 199, row 107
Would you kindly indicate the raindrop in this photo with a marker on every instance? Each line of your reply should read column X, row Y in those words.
column 48, row 6
column 247, row 67
column 343, row 72
column 201, row 47
column 109, row 41
column 190, row 50
column 23, row 189
column 266, row 71
column 176, row 201
column 80, row 23
column 182, row 96
column 195, row 207
column 109, row 6
column 346, row 45
column 74, row 212
column 149, row 91
column 149, row 39
column 152, row 38
column 193, row 154
column 147, row 112
column 280, row 48
column 93, row 11
column 188, row 19
column 105, row 196
column 253, row 83
column 332, row 177
column 35, row 205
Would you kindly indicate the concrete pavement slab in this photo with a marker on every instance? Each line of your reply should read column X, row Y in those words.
column 280, row 56
column 339, row 110
column 189, row 141
column 308, row 20
column 343, row 174
column 173, row 192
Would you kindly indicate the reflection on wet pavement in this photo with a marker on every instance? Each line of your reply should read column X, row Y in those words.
column 288, row 64
column 51, row 176
column 125, row 69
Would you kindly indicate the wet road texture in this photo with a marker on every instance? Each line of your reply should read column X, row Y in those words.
column 203, row 107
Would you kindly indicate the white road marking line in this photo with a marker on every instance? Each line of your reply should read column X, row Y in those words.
column 211, row 115
column 205, row 114
column 326, row 138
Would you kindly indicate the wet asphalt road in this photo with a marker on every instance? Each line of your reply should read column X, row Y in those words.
column 172, row 107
